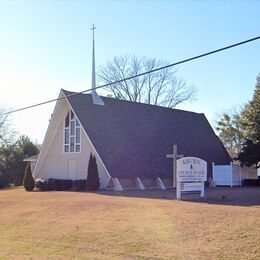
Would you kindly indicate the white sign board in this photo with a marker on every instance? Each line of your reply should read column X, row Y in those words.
column 190, row 186
column 191, row 169
column 191, row 174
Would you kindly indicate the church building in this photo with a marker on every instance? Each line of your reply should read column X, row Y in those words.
column 129, row 140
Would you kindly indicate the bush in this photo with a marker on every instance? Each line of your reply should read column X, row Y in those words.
column 41, row 184
column 251, row 182
column 79, row 185
column 51, row 184
column 4, row 180
column 28, row 181
column 60, row 184
column 93, row 177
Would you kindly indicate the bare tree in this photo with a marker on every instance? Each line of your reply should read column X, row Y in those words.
column 6, row 133
column 159, row 88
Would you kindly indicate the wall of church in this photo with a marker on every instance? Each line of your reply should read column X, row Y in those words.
column 60, row 165
column 149, row 183
column 127, row 183
column 167, row 182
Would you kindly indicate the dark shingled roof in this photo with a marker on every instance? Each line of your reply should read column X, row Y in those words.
column 133, row 139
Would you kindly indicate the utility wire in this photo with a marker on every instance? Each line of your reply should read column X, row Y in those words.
column 138, row 75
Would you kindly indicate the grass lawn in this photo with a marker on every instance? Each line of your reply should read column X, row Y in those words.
column 129, row 225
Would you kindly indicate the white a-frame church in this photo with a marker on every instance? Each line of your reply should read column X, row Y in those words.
column 130, row 140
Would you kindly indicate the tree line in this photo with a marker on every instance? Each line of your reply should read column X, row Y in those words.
column 240, row 130
column 13, row 149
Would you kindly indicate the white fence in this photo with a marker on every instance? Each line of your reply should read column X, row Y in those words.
column 232, row 175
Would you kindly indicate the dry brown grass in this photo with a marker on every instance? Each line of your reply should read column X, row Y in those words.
column 69, row 225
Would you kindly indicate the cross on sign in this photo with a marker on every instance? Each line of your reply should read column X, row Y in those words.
column 174, row 156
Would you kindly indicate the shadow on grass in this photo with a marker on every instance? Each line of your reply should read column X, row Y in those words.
column 168, row 194
column 236, row 196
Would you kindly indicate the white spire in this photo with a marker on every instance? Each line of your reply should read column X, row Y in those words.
column 95, row 97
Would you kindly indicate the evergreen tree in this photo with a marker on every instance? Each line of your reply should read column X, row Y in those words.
column 250, row 120
column 240, row 132
column 12, row 166
column 89, row 166
column 250, row 154
column 93, row 177
column 251, row 116
column 28, row 181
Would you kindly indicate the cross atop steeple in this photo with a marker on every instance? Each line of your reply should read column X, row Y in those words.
column 93, row 28
column 95, row 97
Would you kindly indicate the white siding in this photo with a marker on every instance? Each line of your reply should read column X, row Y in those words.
column 55, row 164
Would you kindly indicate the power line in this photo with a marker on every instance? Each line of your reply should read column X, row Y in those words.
column 138, row 75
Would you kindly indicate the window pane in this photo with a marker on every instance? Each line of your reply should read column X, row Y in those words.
column 77, row 148
column 77, row 135
column 72, row 140
column 72, row 148
column 66, row 137
column 67, row 120
column 77, row 122
column 72, row 127
column 72, row 115
column 66, row 148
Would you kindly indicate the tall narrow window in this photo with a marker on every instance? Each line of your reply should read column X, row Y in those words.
column 71, row 133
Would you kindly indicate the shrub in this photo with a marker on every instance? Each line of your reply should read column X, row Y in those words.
column 251, row 182
column 93, row 177
column 28, row 181
column 41, row 184
column 4, row 180
column 61, row 185
column 51, row 184
column 79, row 185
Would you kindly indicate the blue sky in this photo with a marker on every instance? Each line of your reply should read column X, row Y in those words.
column 46, row 46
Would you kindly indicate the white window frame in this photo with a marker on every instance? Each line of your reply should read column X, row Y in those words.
column 72, row 137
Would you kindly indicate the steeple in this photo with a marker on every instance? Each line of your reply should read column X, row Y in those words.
column 95, row 97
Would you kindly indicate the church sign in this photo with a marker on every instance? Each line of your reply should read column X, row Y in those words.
column 191, row 169
column 191, row 175
column 187, row 187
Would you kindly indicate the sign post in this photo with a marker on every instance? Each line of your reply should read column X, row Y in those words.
column 191, row 175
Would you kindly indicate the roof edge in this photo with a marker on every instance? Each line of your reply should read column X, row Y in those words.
column 129, row 101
